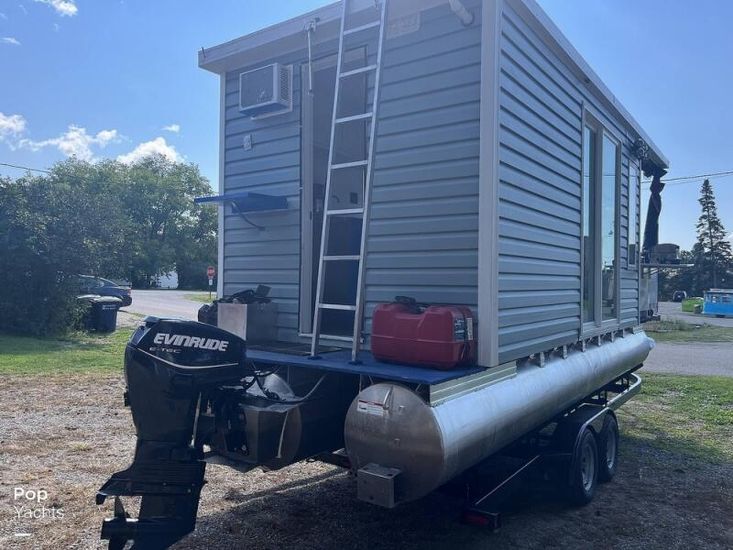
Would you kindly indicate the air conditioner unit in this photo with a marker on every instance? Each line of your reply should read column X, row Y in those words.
column 266, row 90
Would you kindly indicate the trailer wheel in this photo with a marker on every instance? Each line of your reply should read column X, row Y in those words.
column 584, row 474
column 608, row 449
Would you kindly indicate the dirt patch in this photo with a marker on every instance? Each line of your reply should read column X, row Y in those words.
column 67, row 436
column 126, row 319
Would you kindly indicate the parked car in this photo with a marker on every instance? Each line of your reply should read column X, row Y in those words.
column 679, row 295
column 89, row 284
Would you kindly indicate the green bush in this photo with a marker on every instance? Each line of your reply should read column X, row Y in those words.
column 115, row 220
column 689, row 304
column 39, row 254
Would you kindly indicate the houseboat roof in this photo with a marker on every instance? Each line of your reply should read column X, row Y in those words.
column 289, row 36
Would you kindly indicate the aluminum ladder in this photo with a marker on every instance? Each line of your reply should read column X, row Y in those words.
column 379, row 26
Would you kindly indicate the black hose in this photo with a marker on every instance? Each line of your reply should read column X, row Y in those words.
column 272, row 396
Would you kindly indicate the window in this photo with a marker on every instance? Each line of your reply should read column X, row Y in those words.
column 609, row 258
column 600, row 232
column 634, row 184
column 589, row 185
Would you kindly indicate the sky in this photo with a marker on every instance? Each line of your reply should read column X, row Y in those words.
column 119, row 79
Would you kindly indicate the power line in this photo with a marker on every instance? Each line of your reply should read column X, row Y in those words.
column 45, row 171
column 692, row 179
column 714, row 174
column 28, row 168
column 667, row 181
column 49, row 172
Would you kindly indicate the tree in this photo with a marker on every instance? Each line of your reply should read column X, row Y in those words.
column 169, row 230
column 47, row 236
column 686, row 278
column 109, row 219
column 199, row 248
column 712, row 250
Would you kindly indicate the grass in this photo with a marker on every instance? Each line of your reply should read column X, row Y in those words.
column 688, row 305
column 686, row 414
column 201, row 297
column 78, row 353
column 681, row 331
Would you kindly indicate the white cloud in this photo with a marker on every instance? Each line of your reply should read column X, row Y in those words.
column 157, row 146
column 74, row 142
column 11, row 126
column 77, row 142
column 3, row 16
column 10, row 40
column 56, row 27
column 23, row 9
column 175, row 128
column 62, row 7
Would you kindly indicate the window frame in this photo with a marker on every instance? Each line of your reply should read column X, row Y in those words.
column 588, row 122
column 616, row 231
column 598, row 325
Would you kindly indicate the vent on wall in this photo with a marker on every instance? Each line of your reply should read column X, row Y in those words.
column 266, row 90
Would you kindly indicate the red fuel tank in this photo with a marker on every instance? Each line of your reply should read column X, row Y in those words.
column 429, row 336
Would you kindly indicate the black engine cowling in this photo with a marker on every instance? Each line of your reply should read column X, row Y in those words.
column 168, row 364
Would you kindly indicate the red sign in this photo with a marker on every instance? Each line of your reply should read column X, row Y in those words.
column 210, row 272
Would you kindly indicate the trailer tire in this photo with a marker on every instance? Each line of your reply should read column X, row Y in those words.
column 608, row 449
column 584, row 470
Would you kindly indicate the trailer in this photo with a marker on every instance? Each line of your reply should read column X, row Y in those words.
column 391, row 160
column 718, row 302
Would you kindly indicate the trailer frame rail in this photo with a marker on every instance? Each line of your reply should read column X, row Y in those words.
column 483, row 506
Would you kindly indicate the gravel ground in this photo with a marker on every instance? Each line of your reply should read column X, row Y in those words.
column 67, row 436
column 709, row 359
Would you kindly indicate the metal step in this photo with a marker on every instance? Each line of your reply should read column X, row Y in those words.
column 339, row 307
column 354, row 164
column 360, row 70
column 352, row 118
column 345, row 212
column 361, row 28
column 347, row 258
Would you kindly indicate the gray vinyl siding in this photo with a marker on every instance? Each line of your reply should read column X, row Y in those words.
column 540, row 142
column 271, row 255
column 629, row 297
column 422, row 237
column 423, row 231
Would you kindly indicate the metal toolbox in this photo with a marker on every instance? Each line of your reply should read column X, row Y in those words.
column 252, row 322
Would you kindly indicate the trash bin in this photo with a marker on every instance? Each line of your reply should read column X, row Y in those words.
column 104, row 313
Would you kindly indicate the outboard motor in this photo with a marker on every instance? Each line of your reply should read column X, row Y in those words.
column 190, row 387
column 173, row 370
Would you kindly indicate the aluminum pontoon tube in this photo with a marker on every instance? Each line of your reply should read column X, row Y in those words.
column 390, row 425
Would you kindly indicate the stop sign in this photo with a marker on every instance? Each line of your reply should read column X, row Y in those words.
column 210, row 272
